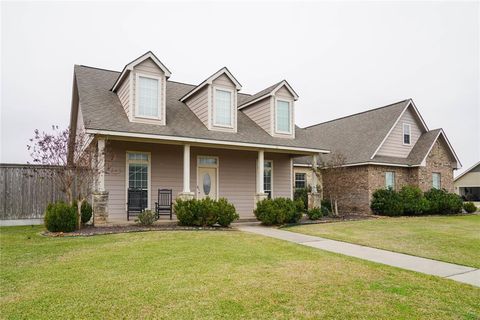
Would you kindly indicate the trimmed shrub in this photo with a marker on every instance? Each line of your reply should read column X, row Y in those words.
column 413, row 201
column 205, row 212
column 469, row 207
column 146, row 218
column 314, row 214
column 442, row 202
column 86, row 211
column 302, row 195
column 327, row 205
column 226, row 212
column 277, row 211
column 386, row 202
column 60, row 217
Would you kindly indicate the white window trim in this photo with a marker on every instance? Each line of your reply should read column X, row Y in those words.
column 271, row 182
column 386, row 181
column 137, row 95
column 149, row 175
column 290, row 111
column 215, row 166
column 232, row 107
column 304, row 179
column 407, row 125
column 439, row 181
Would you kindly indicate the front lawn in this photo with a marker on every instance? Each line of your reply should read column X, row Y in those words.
column 209, row 274
column 453, row 239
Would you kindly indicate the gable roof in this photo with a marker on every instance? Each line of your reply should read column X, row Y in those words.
column 103, row 113
column 143, row 57
column 472, row 168
column 268, row 92
column 358, row 136
column 210, row 79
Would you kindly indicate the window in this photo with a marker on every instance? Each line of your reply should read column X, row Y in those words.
column 267, row 178
column 390, row 180
column 282, row 114
column 207, row 161
column 300, row 180
column 148, row 97
column 223, row 108
column 406, row 133
column 436, row 180
column 138, row 167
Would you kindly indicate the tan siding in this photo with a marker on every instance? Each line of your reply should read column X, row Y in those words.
column 80, row 123
column 124, row 95
column 282, row 181
column 284, row 93
column 471, row 179
column 260, row 113
column 224, row 82
column 393, row 145
column 198, row 103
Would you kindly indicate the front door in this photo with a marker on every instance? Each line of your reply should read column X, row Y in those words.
column 207, row 182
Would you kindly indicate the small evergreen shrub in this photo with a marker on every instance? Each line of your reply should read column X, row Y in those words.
column 302, row 195
column 226, row 212
column 314, row 214
column 60, row 217
column 442, row 202
column 469, row 207
column 205, row 212
column 386, row 202
column 327, row 205
column 86, row 211
column 413, row 201
column 146, row 218
column 277, row 211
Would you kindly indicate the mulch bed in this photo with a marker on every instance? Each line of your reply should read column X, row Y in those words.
column 92, row 231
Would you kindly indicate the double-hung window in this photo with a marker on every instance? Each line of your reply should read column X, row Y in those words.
column 300, row 180
column 390, row 180
column 148, row 91
column 283, row 117
column 436, row 180
column 223, row 112
column 267, row 178
column 138, row 166
column 406, row 133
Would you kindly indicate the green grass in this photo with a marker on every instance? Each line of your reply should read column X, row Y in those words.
column 454, row 239
column 205, row 274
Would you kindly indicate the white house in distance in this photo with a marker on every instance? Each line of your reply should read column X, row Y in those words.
column 467, row 184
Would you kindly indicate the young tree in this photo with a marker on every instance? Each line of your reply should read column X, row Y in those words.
column 73, row 161
column 334, row 178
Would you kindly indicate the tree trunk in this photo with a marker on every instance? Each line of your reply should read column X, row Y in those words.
column 336, row 207
column 79, row 213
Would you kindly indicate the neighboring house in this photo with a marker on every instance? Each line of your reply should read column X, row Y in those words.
column 467, row 184
column 385, row 147
column 198, row 140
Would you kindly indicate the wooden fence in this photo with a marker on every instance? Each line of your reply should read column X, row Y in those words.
column 26, row 190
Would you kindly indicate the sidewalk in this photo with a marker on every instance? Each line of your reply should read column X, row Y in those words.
column 433, row 267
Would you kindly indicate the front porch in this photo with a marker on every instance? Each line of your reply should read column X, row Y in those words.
column 242, row 176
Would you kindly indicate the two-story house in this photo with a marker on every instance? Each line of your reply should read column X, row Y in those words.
column 196, row 140
column 387, row 147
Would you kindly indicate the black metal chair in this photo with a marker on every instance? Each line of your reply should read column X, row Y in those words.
column 137, row 202
column 164, row 204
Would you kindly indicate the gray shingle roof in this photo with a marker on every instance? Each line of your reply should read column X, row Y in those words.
column 260, row 94
column 102, row 110
column 358, row 136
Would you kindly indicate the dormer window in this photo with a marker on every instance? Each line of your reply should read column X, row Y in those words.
column 148, row 96
column 223, row 107
column 406, row 134
column 283, row 114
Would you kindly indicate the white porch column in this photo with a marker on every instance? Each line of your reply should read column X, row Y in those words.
column 101, row 164
column 186, row 168
column 260, row 172
column 314, row 175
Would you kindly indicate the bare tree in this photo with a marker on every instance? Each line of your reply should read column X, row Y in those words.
column 336, row 178
column 73, row 159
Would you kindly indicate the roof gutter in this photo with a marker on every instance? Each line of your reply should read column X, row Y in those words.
column 199, row 140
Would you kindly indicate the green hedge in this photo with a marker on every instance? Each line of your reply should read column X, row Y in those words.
column 205, row 212
column 412, row 201
column 60, row 217
column 279, row 211
column 469, row 207
column 86, row 211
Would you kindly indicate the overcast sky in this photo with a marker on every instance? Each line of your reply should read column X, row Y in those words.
column 341, row 57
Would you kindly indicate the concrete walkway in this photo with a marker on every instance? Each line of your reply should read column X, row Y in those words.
column 433, row 267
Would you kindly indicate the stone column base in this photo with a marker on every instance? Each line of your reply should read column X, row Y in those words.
column 260, row 197
column 186, row 195
column 100, row 208
column 314, row 200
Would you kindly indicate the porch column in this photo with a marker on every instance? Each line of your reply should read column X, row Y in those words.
column 101, row 165
column 314, row 198
column 260, row 195
column 186, row 194
column 100, row 196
